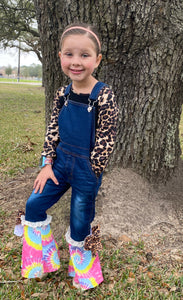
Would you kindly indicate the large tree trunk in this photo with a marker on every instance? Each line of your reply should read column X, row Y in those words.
column 142, row 61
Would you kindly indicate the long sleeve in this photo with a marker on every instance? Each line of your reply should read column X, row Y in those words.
column 52, row 134
column 106, row 131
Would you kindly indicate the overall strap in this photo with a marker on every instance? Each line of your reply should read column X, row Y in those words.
column 96, row 90
column 67, row 90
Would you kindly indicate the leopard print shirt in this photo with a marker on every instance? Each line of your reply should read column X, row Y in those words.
column 105, row 132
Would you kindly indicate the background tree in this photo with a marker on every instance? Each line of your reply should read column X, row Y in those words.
column 18, row 23
column 8, row 70
column 142, row 60
column 32, row 71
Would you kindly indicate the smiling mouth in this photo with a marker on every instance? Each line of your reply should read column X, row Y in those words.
column 75, row 71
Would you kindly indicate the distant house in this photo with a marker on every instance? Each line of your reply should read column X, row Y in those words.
column 2, row 72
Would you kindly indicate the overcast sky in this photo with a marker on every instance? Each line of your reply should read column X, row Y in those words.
column 10, row 57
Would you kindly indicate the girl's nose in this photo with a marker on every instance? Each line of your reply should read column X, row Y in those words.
column 75, row 60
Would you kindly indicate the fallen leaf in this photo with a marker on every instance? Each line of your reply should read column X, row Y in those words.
column 40, row 295
column 131, row 275
column 124, row 238
column 2, row 264
column 69, row 284
column 2, row 257
column 9, row 246
column 164, row 284
column 145, row 270
column 22, row 295
column 9, row 274
column 177, row 258
column 177, row 275
column 130, row 280
column 25, row 280
column 173, row 289
column 111, row 285
column 141, row 268
column 99, row 297
column 163, row 292
column 143, row 262
column 41, row 283
column 150, row 275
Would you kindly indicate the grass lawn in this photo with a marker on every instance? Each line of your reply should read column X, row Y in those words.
column 128, row 273
column 21, row 127
column 21, row 80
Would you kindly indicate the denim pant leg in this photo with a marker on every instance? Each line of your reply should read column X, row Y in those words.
column 84, row 191
column 37, row 204
column 81, row 215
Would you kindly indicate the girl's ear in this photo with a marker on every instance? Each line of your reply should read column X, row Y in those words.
column 99, row 58
column 59, row 54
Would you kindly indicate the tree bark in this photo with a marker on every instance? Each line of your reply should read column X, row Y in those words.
column 142, row 61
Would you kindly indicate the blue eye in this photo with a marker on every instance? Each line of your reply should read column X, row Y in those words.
column 68, row 54
column 85, row 55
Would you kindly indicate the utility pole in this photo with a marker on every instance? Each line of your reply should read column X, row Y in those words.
column 18, row 63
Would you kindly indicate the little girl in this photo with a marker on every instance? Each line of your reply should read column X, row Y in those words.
column 78, row 143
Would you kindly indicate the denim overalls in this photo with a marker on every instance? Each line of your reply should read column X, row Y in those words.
column 72, row 167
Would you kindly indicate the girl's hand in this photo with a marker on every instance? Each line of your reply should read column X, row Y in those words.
column 45, row 174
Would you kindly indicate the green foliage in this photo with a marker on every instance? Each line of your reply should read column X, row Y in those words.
column 18, row 23
column 8, row 70
column 31, row 71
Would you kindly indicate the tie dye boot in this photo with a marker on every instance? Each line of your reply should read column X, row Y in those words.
column 84, row 268
column 84, row 264
column 40, row 253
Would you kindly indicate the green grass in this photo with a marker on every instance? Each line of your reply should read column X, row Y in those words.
column 128, row 275
column 21, row 80
column 21, row 127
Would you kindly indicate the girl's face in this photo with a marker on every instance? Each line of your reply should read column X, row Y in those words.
column 78, row 58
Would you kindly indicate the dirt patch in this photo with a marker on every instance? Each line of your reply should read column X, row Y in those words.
column 127, row 205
